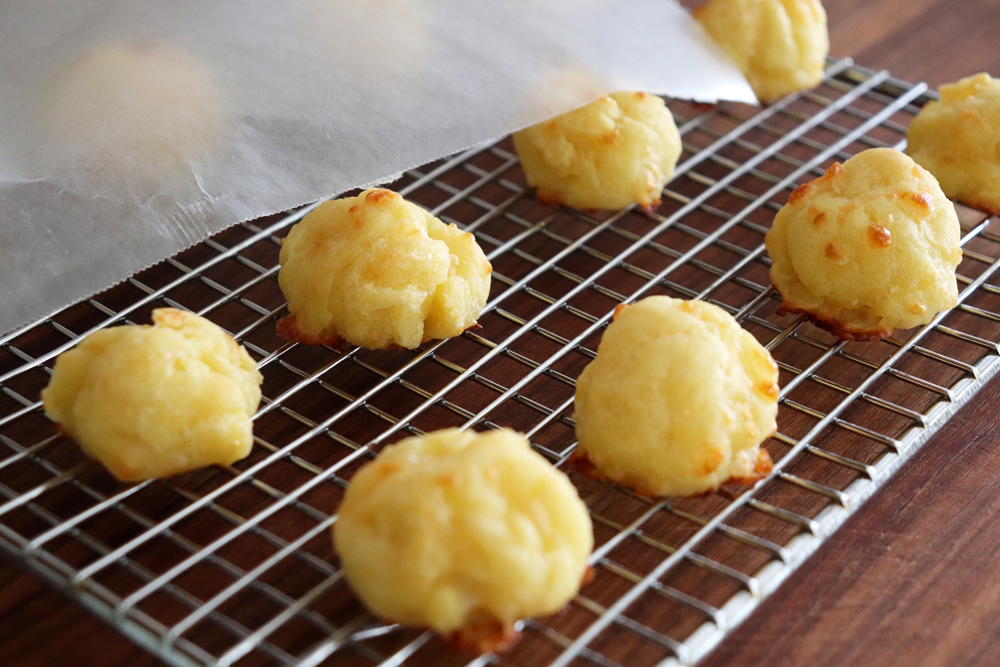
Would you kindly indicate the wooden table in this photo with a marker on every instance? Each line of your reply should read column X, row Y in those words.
column 902, row 583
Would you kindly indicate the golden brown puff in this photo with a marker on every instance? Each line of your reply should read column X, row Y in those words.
column 678, row 400
column 617, row 151
column 154, row 401
column 870, row 246
column 465, row 533
column 958, row 140
column 780, row 45
column 378, row 271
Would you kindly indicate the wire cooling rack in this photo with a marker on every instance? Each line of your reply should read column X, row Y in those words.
column 234, row 565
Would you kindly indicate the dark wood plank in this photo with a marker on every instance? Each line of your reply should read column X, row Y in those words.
column 910, row 579
column 39, row 627
column 919, row 40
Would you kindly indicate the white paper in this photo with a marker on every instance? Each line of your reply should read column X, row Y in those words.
column 132, row 129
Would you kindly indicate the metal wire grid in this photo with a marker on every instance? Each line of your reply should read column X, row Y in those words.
column 234, row 565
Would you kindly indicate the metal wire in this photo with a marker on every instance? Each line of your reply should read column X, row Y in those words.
column 234, row 564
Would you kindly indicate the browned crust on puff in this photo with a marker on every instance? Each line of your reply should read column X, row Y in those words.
column 581, row 463
column 980, row 205
column 761, row 470
column 288, row 328
column 836, row 327
column 548, row 198
column 483, row 633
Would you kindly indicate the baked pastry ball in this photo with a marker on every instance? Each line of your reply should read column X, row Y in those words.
column 677, row 401
column 378, row 271
column 154, row 401
column 131, row 116
column 617, row 151
column 958, row 140
column 870, row 246
column 465, row 533
column 780, row 45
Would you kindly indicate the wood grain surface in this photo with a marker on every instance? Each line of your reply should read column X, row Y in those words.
column 904, row 582
column 909, row 580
